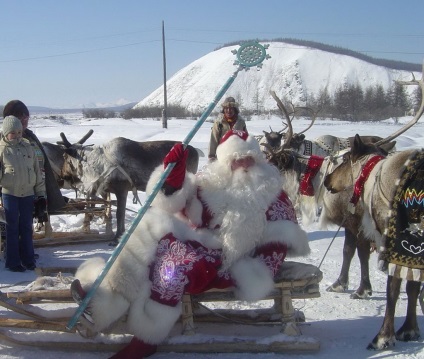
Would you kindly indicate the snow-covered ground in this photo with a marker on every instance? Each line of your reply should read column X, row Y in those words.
column 343, row 326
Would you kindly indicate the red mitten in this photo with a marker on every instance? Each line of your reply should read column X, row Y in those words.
column 178, row 155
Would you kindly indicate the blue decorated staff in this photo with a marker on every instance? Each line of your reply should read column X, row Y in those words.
column 250, row 54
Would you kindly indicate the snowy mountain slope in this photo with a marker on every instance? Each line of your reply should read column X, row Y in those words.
column 293, row 71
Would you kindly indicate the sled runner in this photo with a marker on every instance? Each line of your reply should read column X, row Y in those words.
column 294, row 281
column 196, row 332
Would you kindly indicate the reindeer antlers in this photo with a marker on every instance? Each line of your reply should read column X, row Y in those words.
column 286, row 114
column 67, row 144
column 417, row 115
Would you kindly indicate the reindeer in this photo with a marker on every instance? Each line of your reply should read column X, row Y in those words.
column 387, row 189
column 322, row 146
column 304, row 182
column 379, row 197
column 117, row 166
column 303, row 175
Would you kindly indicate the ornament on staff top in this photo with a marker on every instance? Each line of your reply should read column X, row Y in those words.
column 251, row 54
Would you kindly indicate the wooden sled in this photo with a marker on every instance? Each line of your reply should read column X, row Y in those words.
column 197, row 330
column 45, row 236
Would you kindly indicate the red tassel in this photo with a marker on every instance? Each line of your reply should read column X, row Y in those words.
column 314, row 164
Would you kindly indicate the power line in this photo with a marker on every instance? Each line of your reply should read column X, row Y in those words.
column 77, row 52
column 279, row 33
column 181, row 40
column 61, row 42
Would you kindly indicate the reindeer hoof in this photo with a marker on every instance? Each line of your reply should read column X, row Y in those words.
column 380, row 343
column 408, row 335
column 337, row 287
column 361, row 295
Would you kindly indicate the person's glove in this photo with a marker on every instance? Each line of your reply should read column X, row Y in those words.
column 178, row 155
column 40, row 208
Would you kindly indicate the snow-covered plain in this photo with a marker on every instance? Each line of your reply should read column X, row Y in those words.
column 343, row 326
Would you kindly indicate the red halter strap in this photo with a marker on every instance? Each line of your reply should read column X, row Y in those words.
column 314, row 164
column 360, row 182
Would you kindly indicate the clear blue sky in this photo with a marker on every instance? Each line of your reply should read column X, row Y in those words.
column 73, row 53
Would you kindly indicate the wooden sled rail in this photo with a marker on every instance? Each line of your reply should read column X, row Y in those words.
column 294, row 281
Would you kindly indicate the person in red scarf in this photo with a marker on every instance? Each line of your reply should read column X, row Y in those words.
column 228, row 119
column 230, row 225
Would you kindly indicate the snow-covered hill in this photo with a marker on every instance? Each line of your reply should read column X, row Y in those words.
column 293, row 72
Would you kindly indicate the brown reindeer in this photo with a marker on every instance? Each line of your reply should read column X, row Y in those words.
column 389, row 189
column 118, row 166
column 310, row 196
column 297, row 169
column 378, row 197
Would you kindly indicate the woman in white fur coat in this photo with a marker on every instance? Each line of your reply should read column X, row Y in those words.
column 231, row 225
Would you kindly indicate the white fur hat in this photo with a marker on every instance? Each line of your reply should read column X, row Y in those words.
column 236, row 144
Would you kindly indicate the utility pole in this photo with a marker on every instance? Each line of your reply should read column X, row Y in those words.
column 165, row 102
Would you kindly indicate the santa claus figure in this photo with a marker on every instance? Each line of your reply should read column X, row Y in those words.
column 230, row 225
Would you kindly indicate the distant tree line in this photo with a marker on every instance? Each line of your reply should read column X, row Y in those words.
column 98, row 113
column 349, row 102
column 353, row 103
column 156, row 112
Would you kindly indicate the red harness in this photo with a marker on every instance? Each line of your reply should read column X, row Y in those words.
column 360, row 182
column 314, row 164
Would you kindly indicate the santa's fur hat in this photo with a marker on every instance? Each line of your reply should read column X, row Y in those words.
column 236, row 144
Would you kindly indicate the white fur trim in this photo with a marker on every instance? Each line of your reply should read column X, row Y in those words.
column 194, row 211
column 106, row 306
column 151, row 321
column 235, row 147
column 253, row 279
column 289, row 233
column 89, row 270
column 175, row 202
column 308, row 208
column 207, row 239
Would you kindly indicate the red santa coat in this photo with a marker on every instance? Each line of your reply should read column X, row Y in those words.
column 188, row 266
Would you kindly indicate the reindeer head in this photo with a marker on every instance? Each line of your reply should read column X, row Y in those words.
column 273, row 138
column 71, row 167
column 343, row 176
column 291, row 139
column 296, row 140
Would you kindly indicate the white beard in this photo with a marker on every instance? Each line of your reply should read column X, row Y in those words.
column 239, row 201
